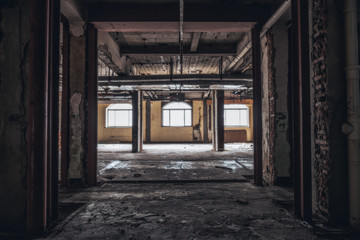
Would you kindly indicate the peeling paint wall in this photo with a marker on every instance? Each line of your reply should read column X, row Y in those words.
column 77, row 105
column 14, row 39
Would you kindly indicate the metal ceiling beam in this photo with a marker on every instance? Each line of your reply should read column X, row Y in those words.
column 184, row 77
column 168, row 12
column 208, row 50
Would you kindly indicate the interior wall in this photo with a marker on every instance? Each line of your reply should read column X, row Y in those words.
column 116, row 135
column 281, row 118
column 14, row 71
column 170, row 134
column 328, row 62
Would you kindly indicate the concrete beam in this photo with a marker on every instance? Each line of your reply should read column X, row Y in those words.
column 109, row 53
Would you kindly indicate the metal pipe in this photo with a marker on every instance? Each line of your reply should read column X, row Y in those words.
column 352, row 127
column 272, row 20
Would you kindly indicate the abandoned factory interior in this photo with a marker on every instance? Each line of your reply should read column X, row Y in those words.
column 179, row 119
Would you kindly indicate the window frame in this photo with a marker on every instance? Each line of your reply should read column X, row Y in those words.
column 244, row 107
column 108, row 109
column 177, row 109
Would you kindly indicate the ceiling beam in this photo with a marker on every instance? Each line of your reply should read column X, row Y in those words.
column 203, row 80
column 169, row 12
column 195, row 41
column 208, row 50
column 156, row 26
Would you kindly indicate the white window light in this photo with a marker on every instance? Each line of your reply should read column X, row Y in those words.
column 176, row 114
column 236, row 115
column 119, row 115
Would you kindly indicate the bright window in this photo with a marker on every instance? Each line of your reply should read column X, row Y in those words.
column 176, row 114
column 119, row 115
column 236, row 115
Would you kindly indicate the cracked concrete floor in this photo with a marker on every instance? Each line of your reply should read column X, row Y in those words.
column 199, row 210
column 236, row 210
column 172, row 162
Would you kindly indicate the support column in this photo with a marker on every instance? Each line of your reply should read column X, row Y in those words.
column 205, row 121
column 137, row 139
column 77, row 108
column 301, row 109
column 148, row 121
column 257, row 111
column 65, row 106
column 218, row 123
column 92, row 91
column 38, row 121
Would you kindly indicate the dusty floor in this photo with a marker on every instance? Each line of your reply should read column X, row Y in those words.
column 172, row 162
column 226, row 208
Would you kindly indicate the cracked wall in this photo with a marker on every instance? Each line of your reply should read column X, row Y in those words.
column 14, row 38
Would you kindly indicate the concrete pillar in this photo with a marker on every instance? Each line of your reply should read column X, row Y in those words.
column 218, row 123
column 77, row 63
column 137, row 137
column 148, row 121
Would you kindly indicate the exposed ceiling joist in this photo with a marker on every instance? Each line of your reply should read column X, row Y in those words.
column 195, row 41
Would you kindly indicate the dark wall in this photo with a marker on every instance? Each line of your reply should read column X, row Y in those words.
column 14, row 39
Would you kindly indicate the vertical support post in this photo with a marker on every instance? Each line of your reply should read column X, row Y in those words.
column 148, row 121
column 37, row 137
column 137, row 122
column 218, row 123
column 257, row 111
column 65, row 102
column 53, row 108
column 301, row 109
column 92, row 104
column 205, row 121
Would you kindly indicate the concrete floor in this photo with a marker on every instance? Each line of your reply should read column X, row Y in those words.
column 173, row 162
column 226, row 208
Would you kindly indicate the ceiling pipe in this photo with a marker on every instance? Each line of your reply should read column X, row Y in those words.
column 272, row 20
column 352, row 127
column 181, row 34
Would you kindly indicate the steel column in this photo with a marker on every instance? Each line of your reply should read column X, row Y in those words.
column 218, row 123
column 65, row 103
column 257, row 111
column 37, row 137
column 137, row 140
column 92, row 104
column 53, row 109
column 301, row 109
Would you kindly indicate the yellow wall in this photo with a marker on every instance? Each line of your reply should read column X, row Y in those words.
column 115, row 135
column 164, row 134
column 171, row 134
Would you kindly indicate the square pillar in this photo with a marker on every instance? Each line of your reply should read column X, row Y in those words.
column 137, row 137
column 218, row 120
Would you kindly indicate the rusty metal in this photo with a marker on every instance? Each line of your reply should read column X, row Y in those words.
column 301, row 109
column 65, row 102
column 92, row 105
column 257, row 112
column 37, row 138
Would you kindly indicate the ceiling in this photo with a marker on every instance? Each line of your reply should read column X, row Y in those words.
column 154, row 41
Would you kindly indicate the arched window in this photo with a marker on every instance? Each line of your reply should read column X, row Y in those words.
column 176, row 114
column 119, row 115
column 236, row 115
